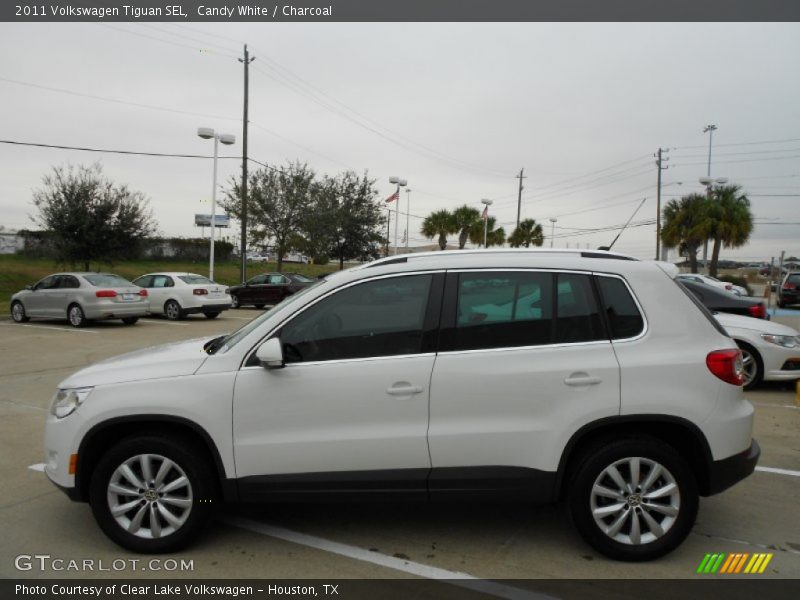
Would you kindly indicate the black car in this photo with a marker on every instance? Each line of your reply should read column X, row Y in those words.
column 721, row 301
column 790, row 290
column 268, row 288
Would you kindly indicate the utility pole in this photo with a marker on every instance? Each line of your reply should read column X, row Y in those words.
column 388, row 228
column 519, row 196
column 659, row 164
column 246, row 62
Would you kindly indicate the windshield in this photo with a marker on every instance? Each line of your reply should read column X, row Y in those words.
column 194, row 279
column 224, row 344
column 107, row 280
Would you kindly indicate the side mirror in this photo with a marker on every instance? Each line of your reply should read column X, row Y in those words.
column 270, row 354
column 29, row 287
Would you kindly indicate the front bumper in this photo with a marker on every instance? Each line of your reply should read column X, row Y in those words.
column 728, row 471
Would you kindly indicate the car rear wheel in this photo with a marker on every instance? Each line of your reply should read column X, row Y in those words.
column 173, row 310
column 259, row 306
column 151, row 494
column 18, row 312
column 752, row 364
column 130, row 320
column 75, row 316
column 211, row 315
column 234, row 301
column 633, row 499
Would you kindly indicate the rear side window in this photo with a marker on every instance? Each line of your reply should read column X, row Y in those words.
column 143, row 281
column 624, row 318
column 162, row 281
column 577, row 314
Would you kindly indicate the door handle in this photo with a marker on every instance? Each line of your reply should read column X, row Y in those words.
column 581, row 379
column 404, row 389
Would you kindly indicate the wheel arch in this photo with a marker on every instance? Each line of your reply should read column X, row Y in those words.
column 105, row 434
column 683, row 435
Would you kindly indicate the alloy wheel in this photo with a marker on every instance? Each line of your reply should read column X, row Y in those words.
column 635, row 501
column 750, row 366
column 18, row 312
column 76, row 316
column 149, row 496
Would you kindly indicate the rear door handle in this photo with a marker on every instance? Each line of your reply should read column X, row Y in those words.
column 404, row 389
column 581, row 379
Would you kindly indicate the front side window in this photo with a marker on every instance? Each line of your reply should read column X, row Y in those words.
column 48, row 283
column 384, row 317
column 623, row 315
column 258, row 280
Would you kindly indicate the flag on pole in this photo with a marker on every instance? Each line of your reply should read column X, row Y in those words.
column 485, row 214
column 393, row 197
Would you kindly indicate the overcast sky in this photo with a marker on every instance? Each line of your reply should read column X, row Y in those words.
column 459, row 108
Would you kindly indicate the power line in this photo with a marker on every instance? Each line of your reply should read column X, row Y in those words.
column 748, row 160
column 171, row 43
column 783, row 141
column 109, row 151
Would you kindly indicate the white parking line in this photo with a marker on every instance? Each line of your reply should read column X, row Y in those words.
column 162, row 322
column 37, row 467
column 769, row 405
column 74, row 330
column 778, row 471
column 239, row 318
column 414, row 568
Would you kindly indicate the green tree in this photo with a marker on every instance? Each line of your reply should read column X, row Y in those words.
column 528, row 233
column 277, row 203
column 494, row 237
column 464, row 219
column 90, row 217
column 686, row 225
column 356, row 219
column 731, row 221
column 439, row 223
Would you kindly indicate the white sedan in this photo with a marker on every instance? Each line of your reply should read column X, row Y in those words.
column 176, row 295
column 714, row 282
column 771, row 351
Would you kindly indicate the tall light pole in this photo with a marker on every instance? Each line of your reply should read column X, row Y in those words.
column 400, row 183
column 709, row 129
column 408, row 213
column 553, row 222
column 226, row 138
column 487, row 204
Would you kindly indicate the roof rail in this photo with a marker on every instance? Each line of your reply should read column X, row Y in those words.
column 389, row 260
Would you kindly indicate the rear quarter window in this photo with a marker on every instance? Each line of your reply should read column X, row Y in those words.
column 701, row 306
column 623, row 315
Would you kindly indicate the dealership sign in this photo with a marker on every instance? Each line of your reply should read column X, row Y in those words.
column 205, row 220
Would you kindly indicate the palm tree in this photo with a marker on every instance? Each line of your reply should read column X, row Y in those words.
column 732, row 221
column 528, row 233
column 439, row 223
column 494, row 237
column 464, row 219
column 687, row 224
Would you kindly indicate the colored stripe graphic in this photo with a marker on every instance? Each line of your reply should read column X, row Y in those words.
column 703, row 563
column 735, row 563
column 741, row 562
column 765, row 563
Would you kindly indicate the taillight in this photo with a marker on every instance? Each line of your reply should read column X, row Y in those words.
column 143, row 293
column 200, row 291
column 727, row 365
column 759, row 311
column 789, row 286
column 105, row 294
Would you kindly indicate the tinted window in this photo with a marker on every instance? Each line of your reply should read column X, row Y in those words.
column 794, row 278
column 162, row 281
column 143, row 281
column 623, row 316
column 258, row 279
column 577, row 314
column 48, row 283
column 68, row 282
column 501, row 310
column 276, row 279
column 376, row 318
column 107, row 280
column 194, row 279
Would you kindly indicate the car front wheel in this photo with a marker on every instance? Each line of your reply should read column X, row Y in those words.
column 18, row 313
column 234, row 301
column 633, row 499
column 151, row 494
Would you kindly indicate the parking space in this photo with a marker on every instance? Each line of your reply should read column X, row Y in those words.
column 497, row 541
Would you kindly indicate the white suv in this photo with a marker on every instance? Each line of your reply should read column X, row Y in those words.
column 540, row 376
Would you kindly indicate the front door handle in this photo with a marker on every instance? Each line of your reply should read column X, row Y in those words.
column 581, row 379
column 404, row 388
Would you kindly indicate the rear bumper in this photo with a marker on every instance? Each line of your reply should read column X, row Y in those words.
column 208, row 308
column 116, row 310
column 728, row 471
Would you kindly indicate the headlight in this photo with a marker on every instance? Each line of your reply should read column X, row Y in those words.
column 66, row 401
column 787, row 341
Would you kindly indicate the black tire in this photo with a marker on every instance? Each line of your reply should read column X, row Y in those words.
column 201, row 493
column 757, row 365
column 76, row 316
column 647, row 452
column 211, row 315
column 18, row 312
column 173, row 310
column 130, row 320
column 259, row 306
column 235, row 301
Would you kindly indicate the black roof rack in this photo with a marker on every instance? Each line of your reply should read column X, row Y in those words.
column 392, row 261
column 602, row 255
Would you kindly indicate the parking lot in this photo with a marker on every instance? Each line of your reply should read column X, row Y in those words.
column 365, row 540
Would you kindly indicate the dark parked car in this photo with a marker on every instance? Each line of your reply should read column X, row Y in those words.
column 790, row 290
column 721, row 301
column 268, row 288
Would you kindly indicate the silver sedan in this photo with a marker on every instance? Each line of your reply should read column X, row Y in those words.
column 81, row 297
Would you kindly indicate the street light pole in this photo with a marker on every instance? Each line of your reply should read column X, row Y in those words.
column 553, row 222
column 710, row 129
column 408, row 214
column 400, row 183
column 227, row 139
column 487, row 203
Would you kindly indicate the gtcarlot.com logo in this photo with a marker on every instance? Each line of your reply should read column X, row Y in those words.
column 734, row 564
